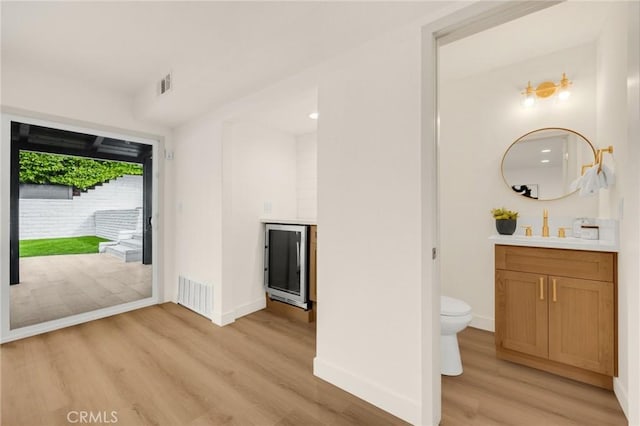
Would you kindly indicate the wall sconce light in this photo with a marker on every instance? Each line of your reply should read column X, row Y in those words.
column 547, row 89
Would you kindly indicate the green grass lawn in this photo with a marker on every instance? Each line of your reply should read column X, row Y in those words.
column 51, row 246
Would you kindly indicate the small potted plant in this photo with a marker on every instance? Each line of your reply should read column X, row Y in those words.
column 506, row 221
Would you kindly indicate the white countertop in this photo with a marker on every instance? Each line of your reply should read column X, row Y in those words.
column 555, row 242
column 289, row 221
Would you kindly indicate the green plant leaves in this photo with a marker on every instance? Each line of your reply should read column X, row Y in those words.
column 80, row 173
column 503, row 213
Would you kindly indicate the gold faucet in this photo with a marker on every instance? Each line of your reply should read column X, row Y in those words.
column 545, row 223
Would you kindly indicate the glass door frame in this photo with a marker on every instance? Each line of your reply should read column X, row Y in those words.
column 6, row 333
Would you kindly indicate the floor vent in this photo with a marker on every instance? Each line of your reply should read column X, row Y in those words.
column 196, row 296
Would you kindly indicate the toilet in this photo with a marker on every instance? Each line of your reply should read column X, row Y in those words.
column 455, row 315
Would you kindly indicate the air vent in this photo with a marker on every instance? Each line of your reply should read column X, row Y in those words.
column 165, row 84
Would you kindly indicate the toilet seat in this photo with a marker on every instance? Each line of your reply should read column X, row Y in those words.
column 451, row 307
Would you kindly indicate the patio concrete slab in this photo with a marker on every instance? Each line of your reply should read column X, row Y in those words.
column 53, row 287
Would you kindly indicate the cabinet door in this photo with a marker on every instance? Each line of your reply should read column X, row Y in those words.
column 522, row 312
column 313, row 244
column 581, row 323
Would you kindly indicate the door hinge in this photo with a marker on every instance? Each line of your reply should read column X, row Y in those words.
column 434, row 253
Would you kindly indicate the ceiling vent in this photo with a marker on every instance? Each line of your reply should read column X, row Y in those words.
column 165, row 84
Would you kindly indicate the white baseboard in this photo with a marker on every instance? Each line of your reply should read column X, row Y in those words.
column 32, row 330
column 383, row 398
column 483, row 323
column 230, row 316
column 223, row 319
column 251, row 307
column 621, row 394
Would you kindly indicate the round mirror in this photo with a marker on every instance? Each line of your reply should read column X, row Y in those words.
column 543, row 163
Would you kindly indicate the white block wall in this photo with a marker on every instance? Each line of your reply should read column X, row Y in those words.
column 76, row 217
column 110, row 222
column 307, row 175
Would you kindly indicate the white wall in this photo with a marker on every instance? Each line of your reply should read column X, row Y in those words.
column 307, row 175
column 261, row 180
column 632, row 241
column 480, row 116
column 37, row 91
column 369, row 204
column 47, row 218
column 612, row 118
column 226, row 175
column 197, row 163
column 111, row 223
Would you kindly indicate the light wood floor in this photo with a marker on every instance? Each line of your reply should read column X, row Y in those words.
column 53, row 287
column 495, row 392
column 165, row 365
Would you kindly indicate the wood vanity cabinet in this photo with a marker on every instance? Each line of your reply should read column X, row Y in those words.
column 555, row 310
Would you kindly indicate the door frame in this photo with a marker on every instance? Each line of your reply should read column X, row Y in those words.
column 6, row 334
column 459, row 24
column 145, row 159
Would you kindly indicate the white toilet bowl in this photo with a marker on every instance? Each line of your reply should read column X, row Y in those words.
column 455, row 315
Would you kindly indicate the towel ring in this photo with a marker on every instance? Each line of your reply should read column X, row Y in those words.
column 599, row 153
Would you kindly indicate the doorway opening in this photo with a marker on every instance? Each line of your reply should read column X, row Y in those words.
column 475, row 99
column 81, row 193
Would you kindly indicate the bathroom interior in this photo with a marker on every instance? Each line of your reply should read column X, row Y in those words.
column 484, row 108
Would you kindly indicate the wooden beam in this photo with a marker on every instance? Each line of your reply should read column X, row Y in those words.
column 50, row 149
column 97, row 142
column 59, row 143
column 24, row 130
column 131, row 152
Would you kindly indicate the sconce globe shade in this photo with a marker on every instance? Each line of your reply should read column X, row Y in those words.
column 564, row 94
column 528, row 101
column 314, row 115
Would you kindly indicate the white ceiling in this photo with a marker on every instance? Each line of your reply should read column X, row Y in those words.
column 217, row 51
column 568, row 24
column 537, row 34
column 291, row 115
column 222, row 51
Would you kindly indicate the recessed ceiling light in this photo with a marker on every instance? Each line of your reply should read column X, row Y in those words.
column 314, row 116
column 546, row 150
column 544, row 161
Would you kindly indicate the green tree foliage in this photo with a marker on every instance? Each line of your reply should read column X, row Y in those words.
column 81, row 173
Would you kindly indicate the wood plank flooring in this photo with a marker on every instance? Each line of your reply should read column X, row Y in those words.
column 53, row 287
column 165, row 365
column 496, row 392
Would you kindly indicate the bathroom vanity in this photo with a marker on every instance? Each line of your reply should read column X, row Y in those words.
column 556, row 309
